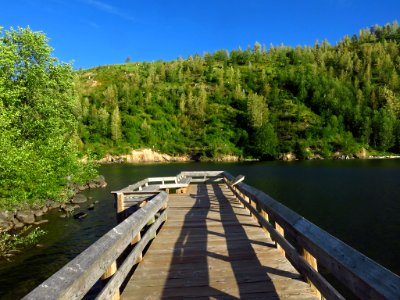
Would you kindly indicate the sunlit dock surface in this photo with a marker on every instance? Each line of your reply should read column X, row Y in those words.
column 210, row 247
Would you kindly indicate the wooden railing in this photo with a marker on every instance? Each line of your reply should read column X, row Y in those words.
column 309, row 247
column 107, row 258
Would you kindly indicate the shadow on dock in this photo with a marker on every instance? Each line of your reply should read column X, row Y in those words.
column 233, row 269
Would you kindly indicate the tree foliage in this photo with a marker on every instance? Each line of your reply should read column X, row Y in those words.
column 37, row 124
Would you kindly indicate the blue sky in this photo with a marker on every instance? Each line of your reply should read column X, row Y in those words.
column 90, row 33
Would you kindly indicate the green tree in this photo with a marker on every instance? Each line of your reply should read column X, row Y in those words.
column 257, row 110
column 116, row 125
column 266, row 142
column 38, row 156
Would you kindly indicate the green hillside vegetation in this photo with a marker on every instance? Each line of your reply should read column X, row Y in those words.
column 310, row 101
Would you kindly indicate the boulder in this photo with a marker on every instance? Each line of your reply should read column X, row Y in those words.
column 52, row 204
column 81, row 188
column 91, row 207
column 6, row 226
column 79, row 198
column 38, row 213
column 18, row 225
column 92, row 185
column 100, row 181
column 68, row 208
column 6, row 216
column 25, row 216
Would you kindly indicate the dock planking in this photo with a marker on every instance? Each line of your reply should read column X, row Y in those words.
column 211, row 248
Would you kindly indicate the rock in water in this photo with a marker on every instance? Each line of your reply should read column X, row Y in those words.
column 52, row 204
column 80, row 215
column 100, row 181
column 79, row 198
column 38, row 213
column 41, row 222
column 26, row 217
column 68, row 208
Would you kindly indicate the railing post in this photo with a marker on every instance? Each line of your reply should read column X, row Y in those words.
column 120, row 202
column 253, row 204
column 312, row 261
column 281, row 231
column 109, row 273
column 265, row 216
column 135, row 240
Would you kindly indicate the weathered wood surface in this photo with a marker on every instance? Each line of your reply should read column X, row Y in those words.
column 211, row 247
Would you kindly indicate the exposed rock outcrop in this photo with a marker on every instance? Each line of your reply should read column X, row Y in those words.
column 288, row 156
column 141, row 156
column 149, row 155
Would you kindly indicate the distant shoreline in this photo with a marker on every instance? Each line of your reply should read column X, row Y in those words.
column 151, row 156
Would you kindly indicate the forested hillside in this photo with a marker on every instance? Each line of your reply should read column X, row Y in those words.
column 310, row 101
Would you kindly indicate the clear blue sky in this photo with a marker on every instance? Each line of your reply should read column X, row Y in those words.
column 99, row 32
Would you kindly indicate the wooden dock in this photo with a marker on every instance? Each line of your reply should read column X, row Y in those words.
column 208, row 235
column 210, row 247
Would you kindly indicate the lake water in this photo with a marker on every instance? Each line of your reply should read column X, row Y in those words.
column 357, row 201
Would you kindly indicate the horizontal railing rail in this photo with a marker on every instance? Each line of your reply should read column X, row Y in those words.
column 162, row 179
column 136, row 186
column 77, row 277
column 311, row 247
column 202, row 176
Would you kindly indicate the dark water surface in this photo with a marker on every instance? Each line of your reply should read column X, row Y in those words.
column 357, row 201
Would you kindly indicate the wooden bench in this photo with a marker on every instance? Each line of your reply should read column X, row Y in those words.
column 150, row 188
column 181, row 184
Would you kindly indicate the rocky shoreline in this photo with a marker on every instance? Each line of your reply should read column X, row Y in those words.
column 33, row 215
column 152, row 156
